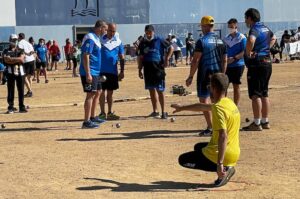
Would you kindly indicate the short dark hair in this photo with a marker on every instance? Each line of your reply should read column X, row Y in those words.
column 232, row 20
column 253, row 14
column 220, row 82
column 31, row 40
column 21, row 35
column 99, row 23
column 149, row 28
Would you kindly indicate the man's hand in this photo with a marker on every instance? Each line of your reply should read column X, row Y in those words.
column 221, row 171
column 230, row 60
column 177, row 108
column 141, row 76
column 121, row 76
column 189, row 81
column 89, row 78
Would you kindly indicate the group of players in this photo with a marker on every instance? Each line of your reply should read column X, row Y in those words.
column 217, row 63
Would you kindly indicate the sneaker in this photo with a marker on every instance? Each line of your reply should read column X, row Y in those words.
column 33, row 79
column 10, row 111
column 112, row 116
column 207, row 132
column 102, row 116
column 23, row 110
column 252, row 127
column 89, row 125
column 97, row 120
column 38, row 81
column 265, row 125
column 164, row 116
column 153, row 114
column 230, row 171
column 28, row 94
column 46, row 81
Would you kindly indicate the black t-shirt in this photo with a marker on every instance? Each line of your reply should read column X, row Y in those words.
column 189, row 42
column 284, row 36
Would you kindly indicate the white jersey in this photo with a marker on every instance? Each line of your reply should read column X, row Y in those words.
column 28, row 48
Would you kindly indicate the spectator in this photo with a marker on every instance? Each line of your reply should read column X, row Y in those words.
column 29, row 64
column 286, row 38
column 14, row 58
column 68, row 53
column 41, row 60
column 177, row 49
column 76, row 52
column 55, row 55
column 190, row 47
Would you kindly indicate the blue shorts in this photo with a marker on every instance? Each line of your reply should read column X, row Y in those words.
column 203, row 81
column 2, row 67
column 160, row 86
column 91, row 87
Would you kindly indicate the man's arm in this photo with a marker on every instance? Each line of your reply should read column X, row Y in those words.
column 250, row 45
column 222, row 143
column 194, row 66
column 224, row 63
column 122, row 66
column 192, row 107
column 14, row 60
column 86, row 65
column 273, row 40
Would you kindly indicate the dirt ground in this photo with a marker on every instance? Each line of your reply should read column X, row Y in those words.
column 45, row 153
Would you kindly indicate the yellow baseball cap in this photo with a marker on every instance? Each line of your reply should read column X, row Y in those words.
column 207, row 20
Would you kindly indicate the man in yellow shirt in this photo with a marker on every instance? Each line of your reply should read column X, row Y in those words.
column 222, row 152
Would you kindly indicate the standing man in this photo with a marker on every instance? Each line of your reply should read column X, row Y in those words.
column 190, row 47
column 41, row 59
column 236, row 45
column 112, row 51
column 222, row 152
column 13, row 59
column 259, row 64
column 29, row 62
column 68, row 54
column 89, row 71
column 209, row 58
column 152, row 59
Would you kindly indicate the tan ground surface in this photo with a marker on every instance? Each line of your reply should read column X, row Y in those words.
column 44, row 153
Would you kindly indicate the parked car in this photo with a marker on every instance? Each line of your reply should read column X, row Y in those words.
column 3, row 45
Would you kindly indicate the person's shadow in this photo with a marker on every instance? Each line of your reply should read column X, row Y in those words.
column 159, row 186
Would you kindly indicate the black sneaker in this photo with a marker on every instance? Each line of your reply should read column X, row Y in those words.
column 23, row 110
column 206, row 133
column 28, row 94
column 153, row 114
column 89, row 125
column 164, row 115
column 230, row 171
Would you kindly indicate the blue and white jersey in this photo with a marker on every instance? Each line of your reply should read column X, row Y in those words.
column 92, row 46
column 235, row 45
column 111, row 49
column 213, row 49
column 263, row 36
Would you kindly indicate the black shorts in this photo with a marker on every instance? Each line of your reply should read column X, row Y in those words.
column 197, row 160
column 111, row 83
column 68, row 57
column 235, row 74
column 189, row 52
column 91, row 87
column 29, row 68
column 258, row 80
column 154, row 76
column 177, row 54
column 40, row 65
column 55, row 58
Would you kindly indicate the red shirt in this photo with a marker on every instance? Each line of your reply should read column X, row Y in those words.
column 54, row 50
column 68, row 48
